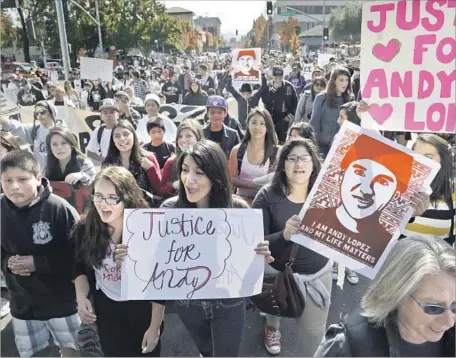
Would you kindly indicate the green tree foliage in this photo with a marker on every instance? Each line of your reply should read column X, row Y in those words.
column 8, row 33
column 345, row 22
column 138, row 24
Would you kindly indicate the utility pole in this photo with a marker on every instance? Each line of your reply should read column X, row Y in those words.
column 324, row 25
column 63, row 39
column 100, row 40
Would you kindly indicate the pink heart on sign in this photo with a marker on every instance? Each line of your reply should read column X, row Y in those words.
column 380, row 113
column 388, row 52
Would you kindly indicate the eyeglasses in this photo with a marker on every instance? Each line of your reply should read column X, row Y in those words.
column 110, row 200
column 42, row 113
column 435, row 309
column 303, row 158
column 319, row 85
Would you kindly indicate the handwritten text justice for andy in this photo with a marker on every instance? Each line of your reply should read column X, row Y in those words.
column 412, row 71
column 183, row 254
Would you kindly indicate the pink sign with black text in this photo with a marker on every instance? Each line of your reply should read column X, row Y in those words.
column 408, row 72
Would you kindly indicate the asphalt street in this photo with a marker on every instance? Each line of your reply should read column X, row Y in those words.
column 176, row 341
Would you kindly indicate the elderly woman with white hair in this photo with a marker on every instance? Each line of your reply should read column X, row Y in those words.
column 408, row 311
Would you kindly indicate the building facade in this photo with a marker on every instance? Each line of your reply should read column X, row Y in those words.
column 313, row 10
column 180, row 14
column 213, row 24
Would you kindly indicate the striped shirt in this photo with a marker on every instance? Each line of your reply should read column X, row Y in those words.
column 437, row 221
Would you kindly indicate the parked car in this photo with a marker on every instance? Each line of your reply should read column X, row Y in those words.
column 24, row 68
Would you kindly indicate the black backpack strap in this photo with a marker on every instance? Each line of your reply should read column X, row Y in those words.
column 240, row 155
column 100, row 135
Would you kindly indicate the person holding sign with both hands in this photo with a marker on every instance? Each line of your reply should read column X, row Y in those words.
column 216, row 325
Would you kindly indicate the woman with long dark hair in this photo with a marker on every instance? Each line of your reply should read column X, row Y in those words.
column 256, row 155
column 326, row 107
column 125, row 151
column 65, row 161
column 439, row 219
column 281, row 201
column 306, row 100
column 125, row 328
column 188, row 133
column 195, row 96
column 216, row 325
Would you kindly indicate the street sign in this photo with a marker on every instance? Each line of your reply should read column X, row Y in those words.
column 288, row 13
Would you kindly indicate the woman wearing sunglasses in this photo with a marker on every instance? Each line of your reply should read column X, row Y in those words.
column 409, row 310
column 305, row 104
column 34, row 134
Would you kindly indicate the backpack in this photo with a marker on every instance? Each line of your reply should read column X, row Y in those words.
column 241, row 152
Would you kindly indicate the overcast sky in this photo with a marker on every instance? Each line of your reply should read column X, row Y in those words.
column 234, row 15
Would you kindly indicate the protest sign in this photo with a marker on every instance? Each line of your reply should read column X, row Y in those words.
column 96, row 68
column 246, row 67
column 408, row 77
column 323, row 59
column 7, row 106
column 307, row 71
column 76, row 197
column 362, row 199
column 184, row 254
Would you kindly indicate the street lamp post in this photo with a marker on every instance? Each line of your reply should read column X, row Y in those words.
column 63, row 39
column 96, row 21
column 100, row 40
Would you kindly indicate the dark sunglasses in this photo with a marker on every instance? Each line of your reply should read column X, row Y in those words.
column 319, row 85
column 434, row 309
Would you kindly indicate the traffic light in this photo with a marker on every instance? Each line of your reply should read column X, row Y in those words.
column 49, row 25
column 269, row 7
column 325, row 34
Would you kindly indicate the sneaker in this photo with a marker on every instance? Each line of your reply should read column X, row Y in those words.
column 5, row 310
column 262, row 314
column 334, row 271
column 352, row 276
column 272, row 340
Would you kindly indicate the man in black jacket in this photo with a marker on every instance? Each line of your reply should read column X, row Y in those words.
column 281, row 101
column 37, row 257
column 216, row 130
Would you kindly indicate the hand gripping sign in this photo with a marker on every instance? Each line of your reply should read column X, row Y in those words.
column 362, row 199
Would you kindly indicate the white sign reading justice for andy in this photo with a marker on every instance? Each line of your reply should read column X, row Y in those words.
column 178, row 254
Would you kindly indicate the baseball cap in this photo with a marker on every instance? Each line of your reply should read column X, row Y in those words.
column 216, row 102
column 152, row 97
column 108, row 103
column 277, row 71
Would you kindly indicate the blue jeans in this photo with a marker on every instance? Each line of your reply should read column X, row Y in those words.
column 216, row 326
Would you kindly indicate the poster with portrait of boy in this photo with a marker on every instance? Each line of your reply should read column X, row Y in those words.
column 246, row 67
column 361, row 200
